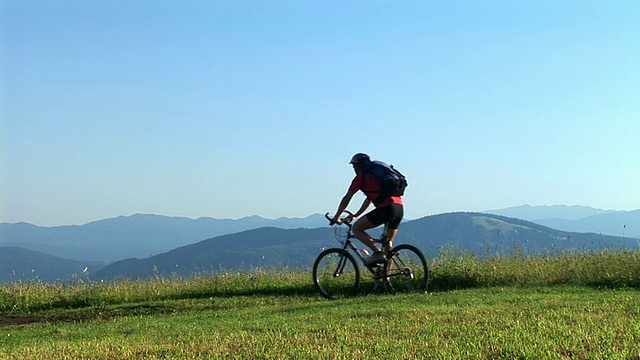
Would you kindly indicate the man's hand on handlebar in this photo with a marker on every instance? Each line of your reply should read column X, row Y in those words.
column 349, row 218
column 337, row 220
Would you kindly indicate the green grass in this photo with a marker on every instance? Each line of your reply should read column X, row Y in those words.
column 582, row 306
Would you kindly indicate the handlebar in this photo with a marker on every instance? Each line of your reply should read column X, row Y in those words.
column 348, row 223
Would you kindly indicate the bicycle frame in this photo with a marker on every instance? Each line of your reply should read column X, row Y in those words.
column 347, row 244
column 396, row 273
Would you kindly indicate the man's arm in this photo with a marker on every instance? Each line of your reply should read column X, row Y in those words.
column 343, row 206
column 363, row 208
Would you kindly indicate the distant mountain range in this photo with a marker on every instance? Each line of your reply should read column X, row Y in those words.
column 578, row 219
column 25, row 249
column 17, row 264
column 138, row 235
column 532, row 213
column 482, row 234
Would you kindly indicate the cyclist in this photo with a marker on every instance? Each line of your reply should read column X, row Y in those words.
column 389, row 211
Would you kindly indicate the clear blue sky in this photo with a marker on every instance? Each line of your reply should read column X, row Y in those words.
column 234, row 108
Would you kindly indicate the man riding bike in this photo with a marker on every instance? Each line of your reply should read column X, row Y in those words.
column 388, row 211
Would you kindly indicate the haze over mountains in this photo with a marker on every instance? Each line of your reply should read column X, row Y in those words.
column 533, row 213
column 25, row 249
column 483, row 234
column 578, row 219
column 135, row 236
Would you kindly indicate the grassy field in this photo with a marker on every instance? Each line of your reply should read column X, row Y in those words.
column 582, row 306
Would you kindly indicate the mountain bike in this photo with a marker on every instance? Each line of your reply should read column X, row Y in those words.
column 336, row 273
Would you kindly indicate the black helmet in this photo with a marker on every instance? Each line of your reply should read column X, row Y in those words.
column 359, row 158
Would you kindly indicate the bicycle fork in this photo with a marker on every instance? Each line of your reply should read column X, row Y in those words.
column 340, row 267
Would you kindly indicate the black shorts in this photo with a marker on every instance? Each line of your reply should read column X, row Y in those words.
column 390, row 214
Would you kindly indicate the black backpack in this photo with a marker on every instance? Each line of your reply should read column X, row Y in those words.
column 392, row 181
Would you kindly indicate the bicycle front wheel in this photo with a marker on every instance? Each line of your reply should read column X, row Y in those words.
column 336, row 274
column 406, row 270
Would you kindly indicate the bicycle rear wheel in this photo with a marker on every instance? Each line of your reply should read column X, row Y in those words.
column 336, row 274
column 406, row 270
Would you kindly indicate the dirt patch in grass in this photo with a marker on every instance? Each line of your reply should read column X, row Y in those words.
column 19, row 320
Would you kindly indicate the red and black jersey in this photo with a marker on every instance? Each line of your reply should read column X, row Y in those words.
column 371, row 187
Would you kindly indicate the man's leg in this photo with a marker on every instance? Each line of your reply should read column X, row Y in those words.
column 359, row 230
column 391, row 226
column 391, row 235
